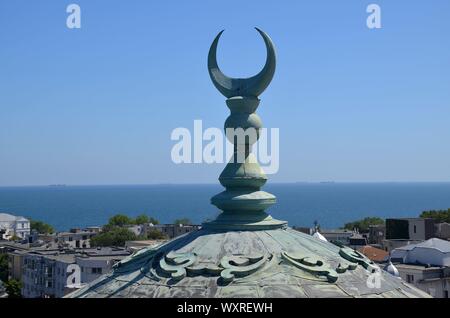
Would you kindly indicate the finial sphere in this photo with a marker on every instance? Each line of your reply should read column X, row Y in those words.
column 253, row 86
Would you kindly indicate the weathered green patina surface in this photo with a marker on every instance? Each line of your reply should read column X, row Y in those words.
column 245, row 252
column 243, row 204
column 261, row 263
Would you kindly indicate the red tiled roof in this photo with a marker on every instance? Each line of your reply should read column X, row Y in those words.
column 374, row 254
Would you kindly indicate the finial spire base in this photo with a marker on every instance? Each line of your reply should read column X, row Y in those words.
column 259, row 221
column 243, row 203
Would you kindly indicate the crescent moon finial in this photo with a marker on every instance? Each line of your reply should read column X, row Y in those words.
column 252, row 86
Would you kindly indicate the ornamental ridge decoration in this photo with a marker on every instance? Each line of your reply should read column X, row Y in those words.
column 180, row 265
column 358, row 258
column 177, row 266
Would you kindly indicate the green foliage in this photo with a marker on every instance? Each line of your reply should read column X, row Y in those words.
column 114, row 236
column 41, row 227
column 156, row 235
column 13, row 288
column 108, row 228
column 153, row 221
column 363, row 225
column 120, row 220
column 183, row 221
column 440, row 216
column 4, row 267
column 141, row 219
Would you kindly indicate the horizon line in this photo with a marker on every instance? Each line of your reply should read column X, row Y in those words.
column 56, row 185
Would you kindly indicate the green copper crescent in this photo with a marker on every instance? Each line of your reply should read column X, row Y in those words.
column 253, row 86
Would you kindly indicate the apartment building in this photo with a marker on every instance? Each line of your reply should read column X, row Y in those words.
column 55, row 273
column 76, row 238
column 407, row 231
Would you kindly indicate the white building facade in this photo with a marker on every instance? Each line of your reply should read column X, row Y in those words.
column 11, row 225
column 45, row 276
column 54, row 274
column 75, row 238
column 425, row 265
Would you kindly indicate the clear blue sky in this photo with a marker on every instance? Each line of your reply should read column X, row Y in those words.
column 97, row 105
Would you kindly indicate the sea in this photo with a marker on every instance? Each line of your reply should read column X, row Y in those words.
column 330, row 204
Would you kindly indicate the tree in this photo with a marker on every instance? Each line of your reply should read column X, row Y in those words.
column 13, row 288
column 4, row 267
column 153, row 221
column 183, row 221
column 441, row 216
column 115, row 236
column 41, row 227
column 145, row 219
column 141, row 219
column 156, row 235
column 120, row 220
column 364, row 224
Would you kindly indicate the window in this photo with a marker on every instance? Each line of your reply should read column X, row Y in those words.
column 415, row 229
column 445, row 293
column 96, row 270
